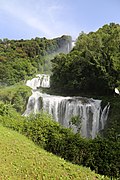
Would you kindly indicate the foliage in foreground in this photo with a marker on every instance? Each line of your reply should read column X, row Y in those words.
column 100, row 154
column 21, row 159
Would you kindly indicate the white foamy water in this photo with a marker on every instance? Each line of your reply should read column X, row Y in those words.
column 92, row 117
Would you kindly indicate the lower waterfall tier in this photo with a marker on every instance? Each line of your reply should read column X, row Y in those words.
column 63, row 109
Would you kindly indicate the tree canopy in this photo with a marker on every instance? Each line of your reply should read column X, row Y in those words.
column 93, row 66
column 22, row 58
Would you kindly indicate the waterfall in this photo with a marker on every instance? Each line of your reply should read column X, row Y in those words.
column 41, row 80
column 64, row 108
column 73, row 44
column 70, row 46
column 104, row 115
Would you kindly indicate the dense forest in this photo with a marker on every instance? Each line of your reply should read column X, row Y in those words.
column 20, row 59
column 91, row 68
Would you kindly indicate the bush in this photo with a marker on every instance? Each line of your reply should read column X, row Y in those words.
column 16, row 95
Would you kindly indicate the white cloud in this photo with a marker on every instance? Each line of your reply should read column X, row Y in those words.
column 40, row 16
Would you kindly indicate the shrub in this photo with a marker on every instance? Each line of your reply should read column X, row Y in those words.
column 16, row 95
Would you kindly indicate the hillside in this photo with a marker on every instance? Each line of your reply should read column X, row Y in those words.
column 21, row 159
column 20, row 59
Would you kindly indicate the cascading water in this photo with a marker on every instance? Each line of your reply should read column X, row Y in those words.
column 64, row 108
column 41, row 80
column 70, row 46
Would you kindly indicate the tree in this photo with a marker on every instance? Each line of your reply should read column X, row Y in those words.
column 93, row 66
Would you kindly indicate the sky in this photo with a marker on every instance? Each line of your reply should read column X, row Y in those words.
column 26, row 19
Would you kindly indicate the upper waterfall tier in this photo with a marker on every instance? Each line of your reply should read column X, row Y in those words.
column 41, row 80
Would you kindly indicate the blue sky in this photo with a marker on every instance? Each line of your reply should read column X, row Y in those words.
column 26, row 19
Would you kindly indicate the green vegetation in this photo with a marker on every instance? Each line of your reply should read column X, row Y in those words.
column 112, row 127
column 76, row 121
column 100, row 154
column 20, row 59
column 16, row 95
column 92, row 67
column 21, row 159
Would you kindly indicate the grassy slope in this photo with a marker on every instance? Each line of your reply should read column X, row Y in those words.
column 21, row 159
